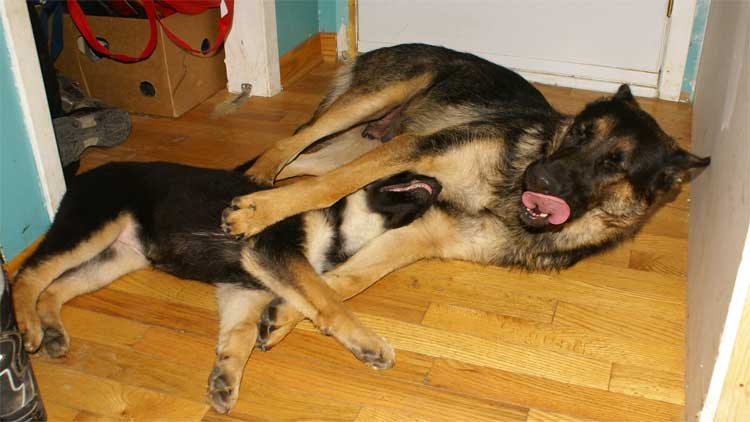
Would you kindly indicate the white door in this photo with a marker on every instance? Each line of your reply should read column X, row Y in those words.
column 590, row 44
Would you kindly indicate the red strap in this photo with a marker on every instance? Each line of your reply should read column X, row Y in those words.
column 194, row 7
column 80, row 20
column 189, row 7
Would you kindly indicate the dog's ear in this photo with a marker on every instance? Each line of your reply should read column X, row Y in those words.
column 676, row 170
column 623, row 94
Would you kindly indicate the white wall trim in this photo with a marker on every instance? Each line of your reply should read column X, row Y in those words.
column 679, row 28
column 728, row 336
column 252, row 48
column 28, row 77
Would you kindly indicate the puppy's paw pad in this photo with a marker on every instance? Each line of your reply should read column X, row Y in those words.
column 267, row 325
column 55, row 342
column 382, row 357
column 32, row 339
column 221, row 394
column 238, row 222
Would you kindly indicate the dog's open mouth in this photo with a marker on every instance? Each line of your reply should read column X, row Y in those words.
column 542, row 209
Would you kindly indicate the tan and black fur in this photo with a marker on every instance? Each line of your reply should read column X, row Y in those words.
column 122, row 217
column 491, row 139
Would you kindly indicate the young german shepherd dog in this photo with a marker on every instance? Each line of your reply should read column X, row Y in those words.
column 523, row 185
column 122, row 217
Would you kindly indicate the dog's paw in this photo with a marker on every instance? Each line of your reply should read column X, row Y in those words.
column 233, row 221
column 55, row 342
column 379, row 355
column 267, row 325
column 262, row 173
column 27, row 318
column 31, row 327
column 276, row 322
column 249, row 215
column 222, row 393
column 265, row 180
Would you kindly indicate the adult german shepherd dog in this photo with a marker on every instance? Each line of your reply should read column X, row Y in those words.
column 122, row 217
column 523, row 185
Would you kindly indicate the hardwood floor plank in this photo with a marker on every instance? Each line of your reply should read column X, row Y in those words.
column 540, row 416
column 556, row 337
column 101, row 328
column 369, row 388
column 374, row 414
column 271, row 401
column 59, row 412
column 623, row 323
column 553, row 396
column 150, row 311
column 471, row 286
column 112, row 398
column 84, row 416
column 504, row 291
column 649, row 383
column 567, row 367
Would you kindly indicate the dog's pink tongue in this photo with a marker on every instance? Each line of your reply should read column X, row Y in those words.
column 558, row 210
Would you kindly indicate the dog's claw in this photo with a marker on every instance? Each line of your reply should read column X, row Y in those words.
column 55, row 342
column 382, row 357
column 220, row 393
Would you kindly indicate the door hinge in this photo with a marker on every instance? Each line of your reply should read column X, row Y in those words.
column 670, row 6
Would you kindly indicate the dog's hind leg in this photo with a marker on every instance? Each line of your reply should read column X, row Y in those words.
column 48, row 263
column 355, row 105
column 122, row 257
column 239, row 312
column 340, row 150
column 299, row 285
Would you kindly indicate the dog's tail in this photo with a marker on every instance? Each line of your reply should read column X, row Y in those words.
column 242, row 168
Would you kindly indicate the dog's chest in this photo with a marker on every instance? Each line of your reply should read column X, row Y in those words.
column 359, row 224
column 343, row 235
column 469, row 174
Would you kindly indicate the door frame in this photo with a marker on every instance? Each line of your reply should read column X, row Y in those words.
column 28, row 77
column 679, row 29
column 252, row 49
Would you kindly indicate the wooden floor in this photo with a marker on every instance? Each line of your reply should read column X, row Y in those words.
column 601, row 341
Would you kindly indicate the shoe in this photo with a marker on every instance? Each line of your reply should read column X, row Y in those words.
column 86, row 127
column 20, row 400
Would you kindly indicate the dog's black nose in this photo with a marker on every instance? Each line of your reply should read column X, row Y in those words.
column 540, row 179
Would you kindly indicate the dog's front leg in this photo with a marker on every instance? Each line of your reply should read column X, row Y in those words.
column 397, row 248
column 294, row 280
column 252, row 213
column 239, row 312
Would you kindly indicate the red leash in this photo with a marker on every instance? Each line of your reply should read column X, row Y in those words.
column 150, row 6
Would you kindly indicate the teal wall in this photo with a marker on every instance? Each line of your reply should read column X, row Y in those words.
column 332, row 14
column 23, row 216
column 696, row 43
column 297, row 20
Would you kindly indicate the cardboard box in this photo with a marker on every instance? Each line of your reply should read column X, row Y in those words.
column 168, row 83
